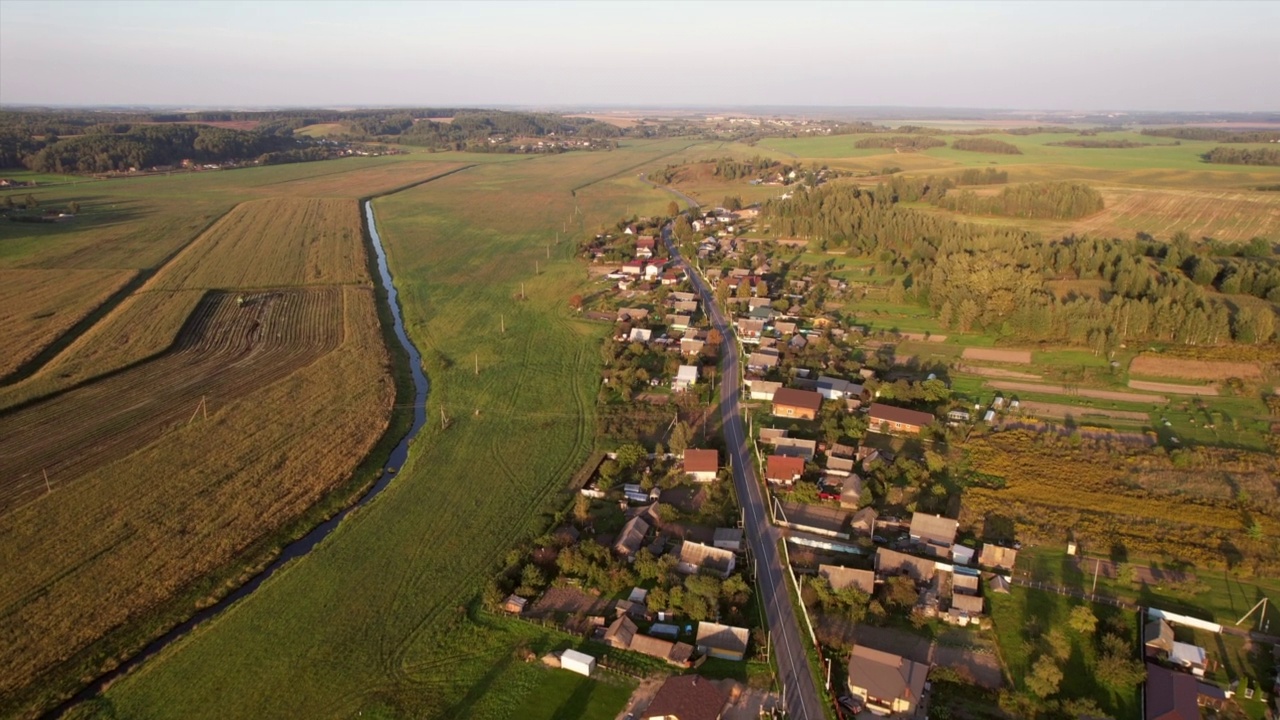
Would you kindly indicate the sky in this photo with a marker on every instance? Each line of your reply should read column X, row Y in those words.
column 1215, row 56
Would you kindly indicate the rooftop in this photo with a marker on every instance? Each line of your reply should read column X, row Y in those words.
column 701, row 461
column 806, row 399
column 687, row 697
column 886, row 676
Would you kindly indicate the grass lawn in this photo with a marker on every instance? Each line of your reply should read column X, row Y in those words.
column 374, row 617
column 1024, row 616
column 561, row 695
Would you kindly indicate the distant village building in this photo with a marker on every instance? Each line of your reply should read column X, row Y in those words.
column 793, row 403
column 888, row 418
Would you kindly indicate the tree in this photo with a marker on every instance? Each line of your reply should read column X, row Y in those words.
column 902, row 591
column 1116, row 667
column 673, row 208
column 680, row 435
column 575, row 301
column 73, row 207
column 30, row 202
column 629, row 455
column 1083, row 620
column 581, row 508
column 531, row 580
column 1045, row 677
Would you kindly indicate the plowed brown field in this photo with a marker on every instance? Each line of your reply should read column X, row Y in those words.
column 1193, row 369
column 226, row 351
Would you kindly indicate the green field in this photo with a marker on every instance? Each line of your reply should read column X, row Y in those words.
column 375, row 618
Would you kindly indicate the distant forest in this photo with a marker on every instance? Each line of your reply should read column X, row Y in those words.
column 1107, row 144
column 1243, row 156
column 994, row 278
column 986, row 145
column 89, row 142
column 901, row 142
column 1044, row 201
column 1224, row 135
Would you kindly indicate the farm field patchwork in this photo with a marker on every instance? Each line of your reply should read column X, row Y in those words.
column 375, row 617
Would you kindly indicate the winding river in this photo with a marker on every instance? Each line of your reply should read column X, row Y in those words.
column 306, row 543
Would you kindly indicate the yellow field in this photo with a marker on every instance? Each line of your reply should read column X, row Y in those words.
column 1219, row 214
column 270, row 243
column 115, row 543
column 1159, row 366
column 37, row 306
column 322, row 130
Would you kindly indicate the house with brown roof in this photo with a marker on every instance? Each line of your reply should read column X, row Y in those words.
column 891, row 562
column 793, row 403
column 794, row 447
column 631, row 537
column 936, row 533
column 694, row 557
column 997, row 557
column 622, row 634
column 843, row 577
column 703, row 465
column 886, row 683
column 1169, row 695
column 686, row 697
column 783, row 470
column 1157, row 638
column 888, row 418
column 722, row 641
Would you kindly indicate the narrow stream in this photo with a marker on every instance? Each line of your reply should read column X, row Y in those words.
column 306, row 543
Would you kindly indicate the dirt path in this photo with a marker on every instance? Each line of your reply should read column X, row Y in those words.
column 1055, row 410
column 1174, row 388
column 1077, row 392
column 1022, row 357
column 996, row 372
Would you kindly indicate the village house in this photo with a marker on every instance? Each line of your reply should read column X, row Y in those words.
column 864, row 521
column 891, row 562
column 763, row 389
column 997, row 557
column 728, row 539
column 793, row 403
column 836, row 389
column 632, row 314
column 1157, row 638
column 886, row 683
column 1169, row 695
column 783, row 470
column 1189, row 657
column 937, row 534
column 763, row 361
column 642, row 335
column 749, row 330
column 633, row 267
column 793, row 447
column 843, row 577
column 694, row 557
column 624, row 635
column 644, row 246
column 631, row 537
column 686, row 377
column 686, row 697
column 679, row 323
column 702, row 464
column 689, row 346
column 722, row 641
column 888, row 418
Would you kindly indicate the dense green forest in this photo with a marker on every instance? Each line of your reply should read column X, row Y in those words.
column 145, row 146
column 982, row 176
column 1041, row 201
column 901, row 142
column 993, row 279
column 986, row 145
column 1243, row 156
column 1226, row 135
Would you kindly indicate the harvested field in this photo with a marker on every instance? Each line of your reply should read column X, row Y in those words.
column 1058, row 411
column 1160, row 366
column 145, row 324
column 207, row 496
column 1174, row 388
column 996, row 372
column 993, row 355
column 38, row 306
column 922, row 337
column 1077, row 392
column 225, row 352
column 1220, row 214
column 291, row 242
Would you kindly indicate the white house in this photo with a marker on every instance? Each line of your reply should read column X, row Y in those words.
column 686, row 377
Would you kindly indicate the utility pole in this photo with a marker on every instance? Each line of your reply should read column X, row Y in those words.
column 1096, row 563
column 443, row 421
column 502, row 320
column 47, row 488
column 477, row 363
column 536, row 271
column 522, row 296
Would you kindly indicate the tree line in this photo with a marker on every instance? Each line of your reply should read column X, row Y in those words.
column 986, row 145
column 1104, row 144
column 1042, row 200
column 901, row 142
column 993, row 279
column 982, row 176
column 1243, row 156
column 151, row 145
column 1225, row 135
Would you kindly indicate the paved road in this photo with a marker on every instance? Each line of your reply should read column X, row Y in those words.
column 799, row 690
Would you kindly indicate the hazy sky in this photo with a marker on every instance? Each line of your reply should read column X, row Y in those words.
column 1034, row 55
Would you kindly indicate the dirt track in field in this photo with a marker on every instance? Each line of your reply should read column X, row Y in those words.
column 1077, row 392
column 1057, row 410
column 996, row 372
column 225, row 352
column 1193, row 369
column 992, row 355
column 1174, row 388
